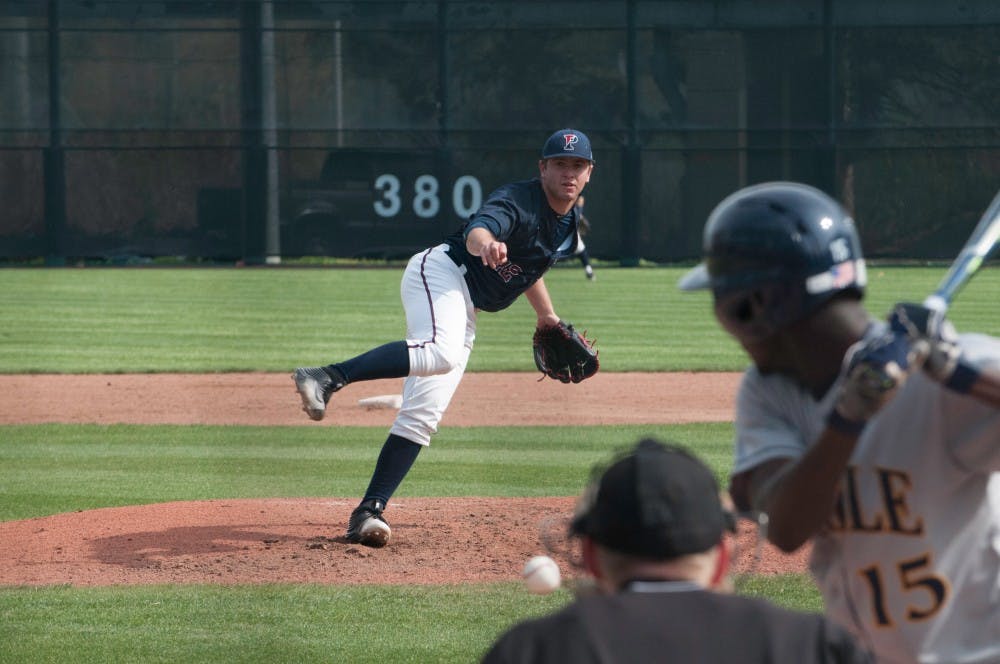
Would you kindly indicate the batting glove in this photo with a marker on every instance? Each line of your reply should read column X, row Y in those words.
column 936, row 341
column 875, row 370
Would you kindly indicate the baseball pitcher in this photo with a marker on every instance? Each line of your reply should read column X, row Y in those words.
column 521, row 230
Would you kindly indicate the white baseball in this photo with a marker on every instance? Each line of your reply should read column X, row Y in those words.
column 541, row 575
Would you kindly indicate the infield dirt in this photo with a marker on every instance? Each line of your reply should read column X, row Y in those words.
column 435, row 540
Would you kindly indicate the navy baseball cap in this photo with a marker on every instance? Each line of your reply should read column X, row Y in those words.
column 657, row 501
column 568, row 143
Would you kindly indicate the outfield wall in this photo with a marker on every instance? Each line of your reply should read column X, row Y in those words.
column 246, row 130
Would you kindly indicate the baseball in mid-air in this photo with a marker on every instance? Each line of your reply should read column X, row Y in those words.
column 541, row 575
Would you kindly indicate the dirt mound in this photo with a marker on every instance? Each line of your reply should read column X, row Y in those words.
column 435, row 540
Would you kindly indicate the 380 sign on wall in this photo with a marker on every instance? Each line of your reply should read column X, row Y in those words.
column 377, row 203
column 425, row 195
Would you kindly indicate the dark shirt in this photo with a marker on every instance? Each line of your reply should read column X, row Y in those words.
column 683, row 624
column 519, row 215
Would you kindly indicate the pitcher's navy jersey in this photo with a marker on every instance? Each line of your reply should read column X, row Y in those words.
column 519, row 215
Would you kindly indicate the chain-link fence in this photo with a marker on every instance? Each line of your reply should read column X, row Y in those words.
column 253, row 130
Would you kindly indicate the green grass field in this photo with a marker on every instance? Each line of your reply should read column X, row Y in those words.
column 53, row 468
column 194, row 320
column 174, row 319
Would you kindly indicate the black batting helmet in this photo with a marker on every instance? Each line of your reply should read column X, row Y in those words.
column 774, row 253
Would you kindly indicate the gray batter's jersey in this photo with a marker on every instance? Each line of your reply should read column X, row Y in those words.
column 910, row 559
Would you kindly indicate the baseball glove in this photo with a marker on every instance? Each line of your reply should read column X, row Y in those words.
column 564, row 354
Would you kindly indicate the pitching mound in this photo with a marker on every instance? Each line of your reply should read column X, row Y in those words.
column 439, row 540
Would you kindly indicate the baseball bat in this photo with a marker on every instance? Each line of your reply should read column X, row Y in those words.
column 981, row 242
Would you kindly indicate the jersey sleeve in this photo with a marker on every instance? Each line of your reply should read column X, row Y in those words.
column 971, row 427
column 765, row 406
column 498, row 215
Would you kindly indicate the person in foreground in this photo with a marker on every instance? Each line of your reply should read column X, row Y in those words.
column 651, row 528
column 521, row 230
column 877, row 440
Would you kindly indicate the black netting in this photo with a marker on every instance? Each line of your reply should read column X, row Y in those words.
column 236, row 130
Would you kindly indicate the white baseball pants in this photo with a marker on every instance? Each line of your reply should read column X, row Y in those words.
column 440, row 330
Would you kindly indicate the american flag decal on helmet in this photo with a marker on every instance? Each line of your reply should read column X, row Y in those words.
column 837, row 277
column 843, row 274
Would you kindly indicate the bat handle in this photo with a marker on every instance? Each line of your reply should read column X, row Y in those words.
column 936, row 302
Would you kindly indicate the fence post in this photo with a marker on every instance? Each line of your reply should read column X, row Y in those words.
column 53, row 158
column 261, row 223
column 631, row 154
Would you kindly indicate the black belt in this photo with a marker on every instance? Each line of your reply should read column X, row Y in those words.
column 453, row 255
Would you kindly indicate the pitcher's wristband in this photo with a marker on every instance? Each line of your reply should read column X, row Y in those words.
column 838, row 422
column 962, row 378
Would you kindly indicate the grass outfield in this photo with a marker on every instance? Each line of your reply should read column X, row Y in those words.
column 115, row 320
column 96, row 320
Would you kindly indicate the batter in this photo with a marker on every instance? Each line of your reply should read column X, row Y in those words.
column 882, row 446
column 521, row 230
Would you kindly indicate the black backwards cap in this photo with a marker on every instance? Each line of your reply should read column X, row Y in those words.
column 657, row 501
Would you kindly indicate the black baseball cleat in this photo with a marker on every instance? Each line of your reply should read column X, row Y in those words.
column 367, row 525
column 315, row 387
